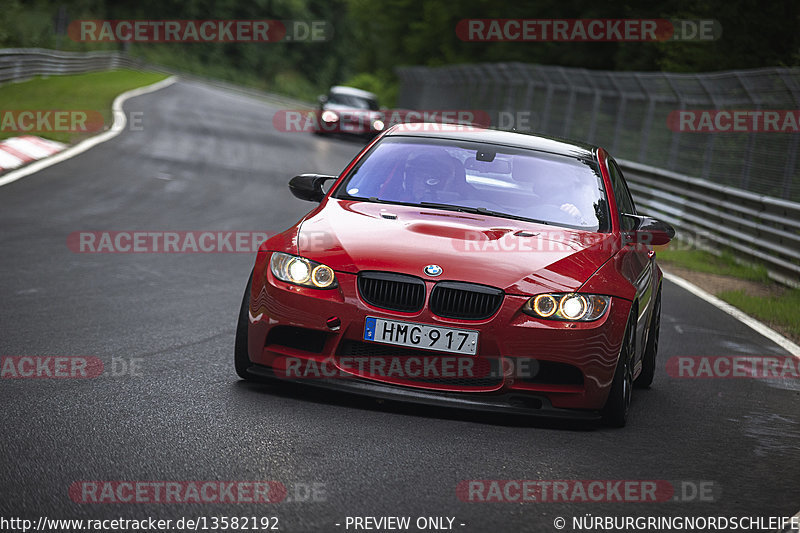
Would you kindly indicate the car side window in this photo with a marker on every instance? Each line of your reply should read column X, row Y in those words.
column 625, row 203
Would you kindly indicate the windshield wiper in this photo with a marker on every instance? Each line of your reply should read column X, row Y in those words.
column 458, row 209
column 482, row 211
column 449, row 207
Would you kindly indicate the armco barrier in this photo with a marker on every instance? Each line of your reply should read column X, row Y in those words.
column 17, row 64
column 757, row 228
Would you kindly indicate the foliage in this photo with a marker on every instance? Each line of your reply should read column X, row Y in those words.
column 386, row 91
column 372, row 38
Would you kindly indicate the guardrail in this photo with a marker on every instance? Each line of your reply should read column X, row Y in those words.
column 17, row 64
column 758, row 228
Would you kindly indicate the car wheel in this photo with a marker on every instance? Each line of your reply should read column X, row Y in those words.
column 615, row 412
column 645, row 378
column 241, row 359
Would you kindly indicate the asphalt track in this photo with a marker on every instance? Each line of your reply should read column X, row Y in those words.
column 206, row 159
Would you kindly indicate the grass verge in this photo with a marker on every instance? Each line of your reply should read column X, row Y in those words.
column 746, row 287
column 702, row 261
column 782, row 311
column 94, row 91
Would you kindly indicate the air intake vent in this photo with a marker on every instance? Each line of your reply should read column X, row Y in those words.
column 454, row 299
column 396, row 292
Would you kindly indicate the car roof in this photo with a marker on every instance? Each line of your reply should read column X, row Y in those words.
column 530, row 141
column 342, row 89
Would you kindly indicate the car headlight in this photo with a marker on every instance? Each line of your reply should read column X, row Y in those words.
column 378, row 125
column 302, row 271
column 567, row 306
column 329, row 116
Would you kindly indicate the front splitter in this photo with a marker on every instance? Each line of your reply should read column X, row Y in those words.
column 507, row 402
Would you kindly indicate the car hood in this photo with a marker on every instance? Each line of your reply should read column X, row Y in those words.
column 516, row 256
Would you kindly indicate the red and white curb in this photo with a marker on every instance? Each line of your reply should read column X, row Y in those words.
column 17, row 151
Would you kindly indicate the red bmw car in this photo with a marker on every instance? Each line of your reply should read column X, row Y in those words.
column 461, row 266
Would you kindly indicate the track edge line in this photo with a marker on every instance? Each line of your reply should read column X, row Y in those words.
column 738, row 314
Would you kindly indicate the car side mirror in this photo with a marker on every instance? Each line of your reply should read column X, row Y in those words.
column 309, row 186
column 322, row 99
column 649, row 231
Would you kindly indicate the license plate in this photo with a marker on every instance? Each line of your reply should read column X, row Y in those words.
column 440, row 339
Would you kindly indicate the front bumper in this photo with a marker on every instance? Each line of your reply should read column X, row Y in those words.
column 576, row 361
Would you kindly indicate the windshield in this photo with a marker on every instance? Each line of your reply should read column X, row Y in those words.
column 350, row 100
column 497, row 180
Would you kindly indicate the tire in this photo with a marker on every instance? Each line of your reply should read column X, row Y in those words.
column 645, row 378
column 241, row 359
column 615, row 412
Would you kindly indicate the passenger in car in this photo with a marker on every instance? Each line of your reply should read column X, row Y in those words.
column 549, row 188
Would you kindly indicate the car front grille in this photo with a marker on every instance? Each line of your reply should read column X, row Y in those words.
column 396, row 292
column 469, row 301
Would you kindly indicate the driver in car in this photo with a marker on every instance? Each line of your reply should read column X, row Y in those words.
column 430, row 178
